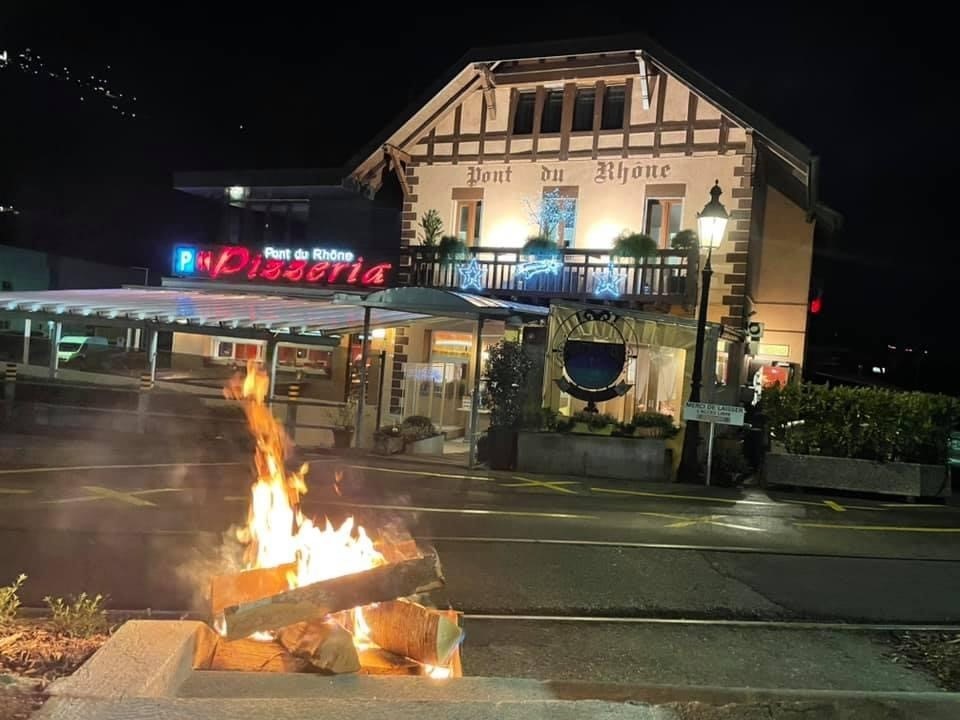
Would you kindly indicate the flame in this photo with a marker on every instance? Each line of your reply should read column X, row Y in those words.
column 277, row 531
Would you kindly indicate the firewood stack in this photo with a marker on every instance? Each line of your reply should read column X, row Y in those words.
column 265, row 626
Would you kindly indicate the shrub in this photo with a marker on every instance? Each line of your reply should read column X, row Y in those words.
column 451, row 249
column 685, row 240
column 80, row 616
column 594, row 421
column 10, row 599
column 507, row 369
column 417, row 427
column 729, row 465
column 636, row 246
column 564, row 425
column 431, row 226
column 865, row 423
column 658, row 421
column 540, row 246
column 543, row 419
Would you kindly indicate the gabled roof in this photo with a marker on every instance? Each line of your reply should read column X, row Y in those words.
column 784, row 144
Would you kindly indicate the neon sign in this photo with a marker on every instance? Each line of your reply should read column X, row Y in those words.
column 321, row 267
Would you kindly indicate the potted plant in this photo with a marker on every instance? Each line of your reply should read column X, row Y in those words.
column 344, row 423
column 431, row 226
column 538, row 247
column 420, row 436
column 451, row 250
column 507, row 369
column 635, row 246
column 653, row 425
column 685, row 240
column 388, row 440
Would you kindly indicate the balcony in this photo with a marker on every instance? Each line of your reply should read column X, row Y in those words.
column 667, row 278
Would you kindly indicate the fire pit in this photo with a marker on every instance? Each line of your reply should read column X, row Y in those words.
column 323, row 599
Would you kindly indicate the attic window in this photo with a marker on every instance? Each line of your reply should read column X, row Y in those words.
column 613, row 100
column 523, row 116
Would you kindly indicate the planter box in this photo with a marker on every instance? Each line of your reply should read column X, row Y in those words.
column 388, row 445
column 833, row 473
column 593, row 456
column 429, row 446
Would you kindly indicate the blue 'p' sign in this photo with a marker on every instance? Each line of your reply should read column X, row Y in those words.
column 184, row 260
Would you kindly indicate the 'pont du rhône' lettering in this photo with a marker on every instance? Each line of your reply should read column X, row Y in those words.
column 315, row 254
column 618, row 172
column 240, row 262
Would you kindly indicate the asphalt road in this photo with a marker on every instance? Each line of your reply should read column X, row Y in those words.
column 149, row 534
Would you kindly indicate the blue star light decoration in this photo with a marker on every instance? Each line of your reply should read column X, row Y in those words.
column 549, row 265
column 471, row 275
column 606, row 282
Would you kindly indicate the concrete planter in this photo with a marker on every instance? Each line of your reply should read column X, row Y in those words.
column 428, row 446
column 909, row 479
column 622, row 458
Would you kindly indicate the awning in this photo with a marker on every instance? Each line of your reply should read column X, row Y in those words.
column 445, row 303
column 244, row 315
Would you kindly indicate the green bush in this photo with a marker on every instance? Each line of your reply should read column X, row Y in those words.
column 10, row 599
column 80, row 616
column 865, row 423
column 540, row 246
column 451, row 249
column 663, row 423
column 594, row 421
column 417, row 427
column 507, row 368
column 729, row 465
column 634, row 246
column 543, row 419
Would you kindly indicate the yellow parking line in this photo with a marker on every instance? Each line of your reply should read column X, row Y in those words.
column 834, row 506
column 878, row 528
column 821, row 503
column 124, row 497
column 550, row 485
column 14, row 491
column 102, row 493
column 421, row 472
column 713, row 520
column 701, row 498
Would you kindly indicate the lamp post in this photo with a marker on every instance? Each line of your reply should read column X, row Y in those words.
column 711, row 224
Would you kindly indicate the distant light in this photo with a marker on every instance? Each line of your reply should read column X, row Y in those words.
column 891, row 347
column 378, row 333
column 236, row 192
column 816, row 305
column 908, row 349
column 879, row 370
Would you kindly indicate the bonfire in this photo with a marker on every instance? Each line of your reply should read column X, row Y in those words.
column 316, row 596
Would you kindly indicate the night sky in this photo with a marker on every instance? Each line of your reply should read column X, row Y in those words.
column 276, row 85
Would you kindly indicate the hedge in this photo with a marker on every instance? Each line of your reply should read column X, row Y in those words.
column 867, row 423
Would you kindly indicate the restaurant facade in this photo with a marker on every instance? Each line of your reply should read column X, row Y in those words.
column 578, row 143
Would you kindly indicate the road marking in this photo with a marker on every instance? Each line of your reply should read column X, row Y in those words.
column 102, row 493
column 878, row 528
column 14, row 491
column 422, row 472
column 914, row 505
column 713, row 520
column 834, row 506
column 73, row 468
column 549, row 484
column 821, row 503
column 796, row 624
column 701, row 498
column 466, row 511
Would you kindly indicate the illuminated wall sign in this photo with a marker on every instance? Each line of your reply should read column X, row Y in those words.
column 316, row 266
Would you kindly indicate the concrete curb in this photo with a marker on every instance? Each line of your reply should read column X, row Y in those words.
column 154, row 668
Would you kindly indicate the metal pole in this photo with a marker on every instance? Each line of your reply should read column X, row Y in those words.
column 475, row 404
column 129, row 342
column 383, row 364
column 364, row 354
column 54, row 330
column 273, row 353
column 710, row 453
column 136, row 338
column 26, row 340
column 152, row 337
column 689, row 467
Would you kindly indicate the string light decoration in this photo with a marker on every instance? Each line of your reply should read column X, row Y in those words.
column 606, row 282
column 84, row 86
column 541, row 266
column 471, row 275
column 551, row 212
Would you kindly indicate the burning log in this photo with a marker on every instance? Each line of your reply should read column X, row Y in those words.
column 253, row 655
column 386, row 582
column 249, row 585
column 324, row 644
column 409, row 629
column 397, row 545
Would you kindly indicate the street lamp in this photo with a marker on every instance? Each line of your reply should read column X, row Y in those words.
column 711, row 224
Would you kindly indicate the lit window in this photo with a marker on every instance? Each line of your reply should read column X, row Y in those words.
column 663, row 220
column 468, row 221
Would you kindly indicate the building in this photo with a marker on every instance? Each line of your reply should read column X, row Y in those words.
column 578, row 142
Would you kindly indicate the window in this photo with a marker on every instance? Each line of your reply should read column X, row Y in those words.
column 583, row 109
column 6, row 285
column 552, row 111
column 523, row 117
column 612, row 116
column 467, row 221
column 663, row 220
column 225, row 350
column 558, row 214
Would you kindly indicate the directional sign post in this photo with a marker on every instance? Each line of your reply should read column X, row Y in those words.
column 715, row 415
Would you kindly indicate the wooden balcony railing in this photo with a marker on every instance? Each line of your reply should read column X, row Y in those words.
column 669, row 277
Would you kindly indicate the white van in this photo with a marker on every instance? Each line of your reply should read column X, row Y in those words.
column 74, row 347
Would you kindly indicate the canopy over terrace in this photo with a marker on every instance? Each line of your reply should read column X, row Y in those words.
column 441, row 303
column 275, row 319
